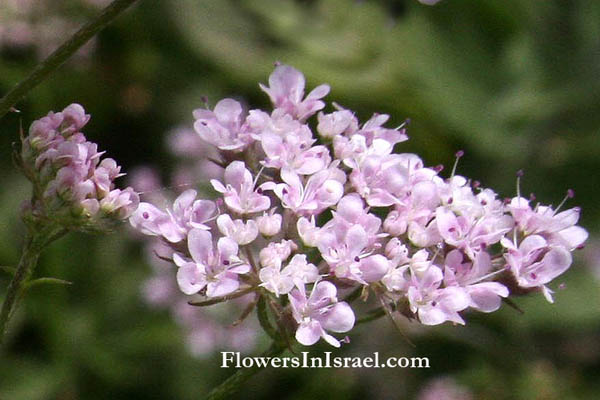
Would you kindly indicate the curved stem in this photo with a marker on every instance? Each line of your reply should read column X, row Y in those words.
column 34, row 244
column 60, row 55
column 233, row 384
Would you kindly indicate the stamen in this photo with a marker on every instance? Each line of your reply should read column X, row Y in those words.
column 258, row 175
column 477, row 280
column 458, row 155
column 520, row 173
column 403, row 124
column 570, row 194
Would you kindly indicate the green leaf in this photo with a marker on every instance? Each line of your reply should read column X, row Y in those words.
column 44, row 281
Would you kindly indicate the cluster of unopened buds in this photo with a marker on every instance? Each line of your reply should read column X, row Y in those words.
column 310, row 223
column 72, row 186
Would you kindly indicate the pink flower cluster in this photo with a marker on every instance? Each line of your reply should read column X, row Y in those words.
column 73, row 186
column 301, row 217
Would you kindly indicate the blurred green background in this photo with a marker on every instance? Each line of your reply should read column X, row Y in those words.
column 515, row 83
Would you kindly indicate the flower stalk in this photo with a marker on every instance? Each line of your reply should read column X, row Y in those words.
column 35, row 242
column 233, row 384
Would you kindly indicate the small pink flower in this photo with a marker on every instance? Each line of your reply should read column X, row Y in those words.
column 319, row 313
column 223, row 127
column 214, row 268
column 558, row 228
column 484, row 296
column 239, row 192
column 276, row 253
column 174, row 225
column 323, row 189
column 347, row 253
column 336, row 123
column 286, row 90
column 535, row 262
column 269, row 224
column 121, row 203
column 298, row 272
column 241, row 232
column 433, row 304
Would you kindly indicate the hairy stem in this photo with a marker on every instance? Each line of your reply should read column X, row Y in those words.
column 34, row 244
column 234, row 383
column 60, row 55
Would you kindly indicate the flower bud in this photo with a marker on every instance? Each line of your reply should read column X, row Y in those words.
column 269, row 224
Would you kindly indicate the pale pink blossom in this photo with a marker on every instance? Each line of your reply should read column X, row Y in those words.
column 213, row 268
column 323, row 189
column 241, row 232
column 276, row 253
column 434, row 304
column 348, row 255
column 269, row 224
column 297, row 273
column 224, row 126
column 239, row 190
column 319, row 313
column 484, row 296
column 535, row 262
column 187, row 213
column 286, row 90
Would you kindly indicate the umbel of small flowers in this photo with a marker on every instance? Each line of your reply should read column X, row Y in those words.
column 313, row 213
column 73, row 189
column 72, row 185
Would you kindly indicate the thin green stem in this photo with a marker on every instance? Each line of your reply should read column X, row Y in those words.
column 60, row 55
column 234, row 383
column 34, row 244
column 263, row 319
column 221, row 299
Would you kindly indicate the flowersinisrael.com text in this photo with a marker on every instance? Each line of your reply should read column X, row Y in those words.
column 231, row 359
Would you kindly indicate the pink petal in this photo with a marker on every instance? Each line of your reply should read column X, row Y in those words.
column 309, row 333
column 228, row 112
column 487, row 296
column 339, row 318
column 190, row 279
column 573, row 237
column 237, row 175
column 200, row 245
column 227, row 248
column 374, row 267
column 226, row 283
column 432, row 315
column 322, row 292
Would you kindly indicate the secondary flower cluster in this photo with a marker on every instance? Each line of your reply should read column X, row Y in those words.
column 302, row 216
column 73, row 187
